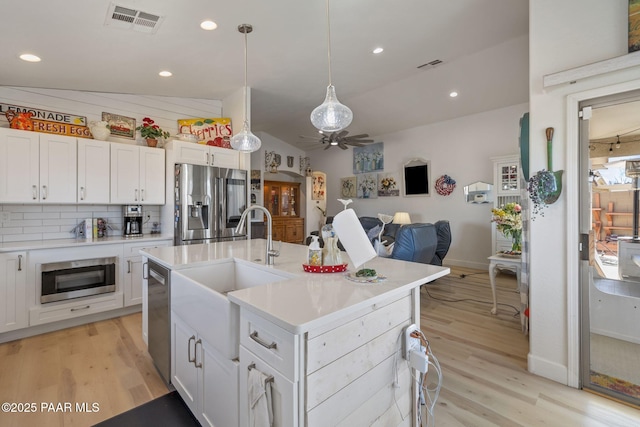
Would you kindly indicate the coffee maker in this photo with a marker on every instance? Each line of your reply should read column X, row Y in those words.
column 133, row 221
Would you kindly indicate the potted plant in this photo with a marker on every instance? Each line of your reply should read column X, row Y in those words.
column 150, row 131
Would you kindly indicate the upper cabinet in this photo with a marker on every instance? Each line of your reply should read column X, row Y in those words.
column 93, row 171
column 199, row 154
column 137, row 175
column 37, row 167
column 506, row 178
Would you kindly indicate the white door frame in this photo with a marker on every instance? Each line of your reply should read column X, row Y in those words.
column 573, row 231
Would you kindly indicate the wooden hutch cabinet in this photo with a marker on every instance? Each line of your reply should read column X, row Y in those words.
column 282, row 199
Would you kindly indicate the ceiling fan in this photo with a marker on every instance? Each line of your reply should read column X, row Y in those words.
column 340, row 139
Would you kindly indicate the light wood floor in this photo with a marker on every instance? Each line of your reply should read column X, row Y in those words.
column 104, row 362
column 483, row 358
column 484, row 363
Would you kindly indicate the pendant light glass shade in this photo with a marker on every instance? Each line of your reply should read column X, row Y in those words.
column 245, row 140
column 331, row 115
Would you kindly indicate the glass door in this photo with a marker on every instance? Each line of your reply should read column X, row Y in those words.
column 610, row 273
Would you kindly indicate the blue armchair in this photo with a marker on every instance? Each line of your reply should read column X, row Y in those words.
column 425, row 243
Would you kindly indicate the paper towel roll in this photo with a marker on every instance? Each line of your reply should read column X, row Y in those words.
column 353, row 238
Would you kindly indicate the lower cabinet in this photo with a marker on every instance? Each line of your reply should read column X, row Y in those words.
column 288, row 229
column 13, row 299
column 207, row 383
column 133, row 277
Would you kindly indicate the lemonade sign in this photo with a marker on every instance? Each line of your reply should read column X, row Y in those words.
column 216, row 131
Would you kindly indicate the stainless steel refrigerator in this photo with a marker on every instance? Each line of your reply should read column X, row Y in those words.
column 208, row 203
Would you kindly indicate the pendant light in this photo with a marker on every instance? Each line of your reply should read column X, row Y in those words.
column 331, row 115
column 245, row 140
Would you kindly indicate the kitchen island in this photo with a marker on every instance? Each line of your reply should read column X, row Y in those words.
column 331, row 345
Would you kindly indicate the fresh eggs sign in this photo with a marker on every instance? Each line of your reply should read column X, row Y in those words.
column 216, row 131
column 48, row 121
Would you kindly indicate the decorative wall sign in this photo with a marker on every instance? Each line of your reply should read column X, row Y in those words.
column 61, row 129
column 348, row 187
column 271, row 161
column 388, row 184
column 319, row 186
column 120, row 126
column 212, row 131
column 50, row 116
column 289, row 161
column 369, row 158
column 445, row 185
column 417, row 176
column 255, row 179
column 367, row 186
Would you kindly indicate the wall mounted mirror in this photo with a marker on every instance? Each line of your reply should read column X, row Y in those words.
column 417, row 177
column 478, row 192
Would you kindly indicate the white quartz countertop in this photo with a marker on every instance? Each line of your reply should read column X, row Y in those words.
column 73, row 243
column 308, row 300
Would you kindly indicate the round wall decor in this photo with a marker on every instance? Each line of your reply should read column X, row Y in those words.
column 445, row 185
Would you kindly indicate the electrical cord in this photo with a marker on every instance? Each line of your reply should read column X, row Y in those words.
column 516, row 314
column 427, row 396
column 462, row 276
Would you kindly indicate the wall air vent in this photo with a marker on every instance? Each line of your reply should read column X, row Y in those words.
column 431, row 64
column 132, row 19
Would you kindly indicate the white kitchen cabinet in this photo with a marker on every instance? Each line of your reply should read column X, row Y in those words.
column 93, row 171
column 200, row 154
column 506, row 179
column 13, row 299
column 37, row 167
column 133, row 278
column 137, row 175
column 207, row 383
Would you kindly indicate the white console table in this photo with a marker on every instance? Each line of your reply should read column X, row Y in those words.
column 497, row 262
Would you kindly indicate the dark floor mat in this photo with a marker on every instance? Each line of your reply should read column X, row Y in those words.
column 167, row 410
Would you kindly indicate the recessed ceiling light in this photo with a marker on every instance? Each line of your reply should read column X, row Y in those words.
column 453, row 94
column 29, row 57
column 165, row 73
column 378, row 50
column 208, row 25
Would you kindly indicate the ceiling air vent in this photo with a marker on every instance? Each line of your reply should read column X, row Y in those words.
column 431, row 64
column 132, row 19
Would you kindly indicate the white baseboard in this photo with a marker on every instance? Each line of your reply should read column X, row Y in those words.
column 547, row 369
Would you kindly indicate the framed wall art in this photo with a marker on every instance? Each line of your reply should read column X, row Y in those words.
column 634, row 25
column 369, row 158
column 318, row 190
column 367, row 186
column 417, row 177
column 348, row 187
column 388, row 184
column 120, row 126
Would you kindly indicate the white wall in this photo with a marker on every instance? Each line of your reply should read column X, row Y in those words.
column 460, row 148
column 563, row 35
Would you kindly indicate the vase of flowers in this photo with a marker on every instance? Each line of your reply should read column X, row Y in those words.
column 150, row 131
column 509, row 222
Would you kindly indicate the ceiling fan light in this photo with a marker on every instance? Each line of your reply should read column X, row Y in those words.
column 331, row 115
column 245, row 140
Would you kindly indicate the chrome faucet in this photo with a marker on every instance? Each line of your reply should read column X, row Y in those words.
column 270, row 253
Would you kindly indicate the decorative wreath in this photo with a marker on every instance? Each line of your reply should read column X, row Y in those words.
column 445, row 185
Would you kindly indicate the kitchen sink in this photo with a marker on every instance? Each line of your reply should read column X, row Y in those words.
column 199, row 297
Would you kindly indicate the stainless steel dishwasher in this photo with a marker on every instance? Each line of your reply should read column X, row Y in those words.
column 159, row 299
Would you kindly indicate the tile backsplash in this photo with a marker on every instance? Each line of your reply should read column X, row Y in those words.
column 48, row 222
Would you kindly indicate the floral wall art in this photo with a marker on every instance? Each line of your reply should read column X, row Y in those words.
column 388, row 184
column 319, row 185
column 369, row 158
column 367, row 186
column 348, row 187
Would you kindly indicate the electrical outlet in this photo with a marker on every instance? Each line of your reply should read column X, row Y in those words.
column 5, row 216
column 410, row 343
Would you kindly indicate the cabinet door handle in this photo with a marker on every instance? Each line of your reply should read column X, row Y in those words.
column 129, row 266
column 19, row 262
column 142, row 194
column 146, row 264
column 136, row 195
column 81, row 193
column 81, row 308
column 44, row 192
column 206, row 156
column 34, row 192
column 254, row 336
column 198, row 365
column 193, row 337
